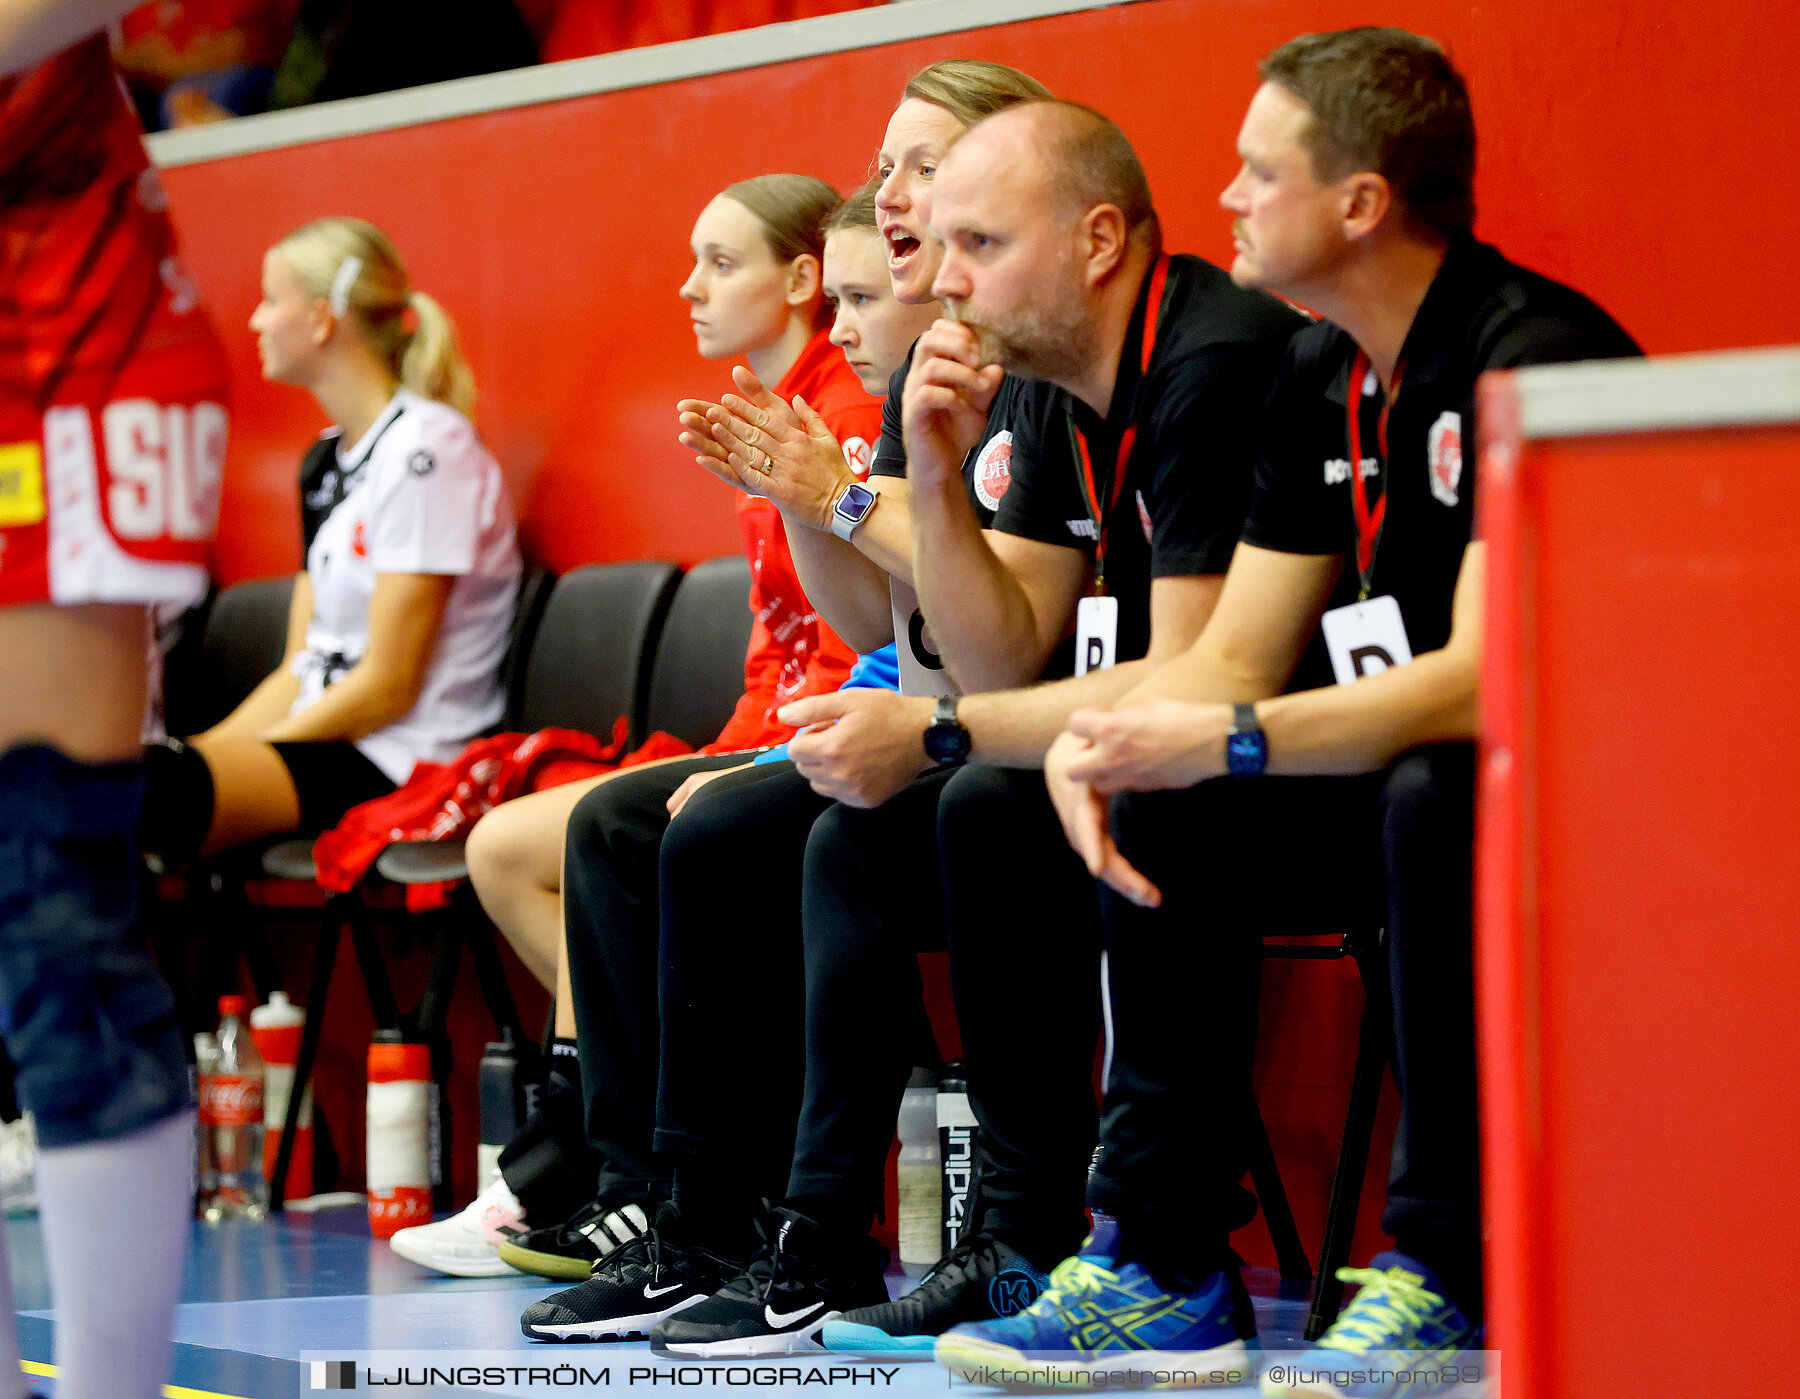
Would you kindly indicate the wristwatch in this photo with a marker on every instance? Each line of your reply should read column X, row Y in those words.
column 946, row 740
column 851, row 508
column 1246, row 746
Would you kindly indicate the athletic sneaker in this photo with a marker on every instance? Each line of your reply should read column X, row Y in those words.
column 570, row 1249
column 1400, row 1325
column 18, row 1166
column 466, row 1245
column 800, row 1279
column 1103, row 1314
column 978, row 1280
column 634, row 1287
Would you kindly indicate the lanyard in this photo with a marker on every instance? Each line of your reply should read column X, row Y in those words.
column 1368, row 521
column 1127, row 438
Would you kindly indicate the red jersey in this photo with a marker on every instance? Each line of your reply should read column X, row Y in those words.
column 112, row 382
column 793, row 653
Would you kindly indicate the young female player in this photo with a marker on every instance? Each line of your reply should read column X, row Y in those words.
column 400, row 619
column 754, row 292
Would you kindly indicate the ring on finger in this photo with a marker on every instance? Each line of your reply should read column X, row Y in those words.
column 768, row 465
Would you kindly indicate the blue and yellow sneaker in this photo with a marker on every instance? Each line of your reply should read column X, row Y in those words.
column 1101, row 1316
column 1400, row 1335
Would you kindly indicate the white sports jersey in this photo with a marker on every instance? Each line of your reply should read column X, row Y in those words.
column 418, row 494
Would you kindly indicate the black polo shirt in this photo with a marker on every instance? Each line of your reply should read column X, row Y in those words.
column 1197, row 410
column 1481, row 312
column 987, row 467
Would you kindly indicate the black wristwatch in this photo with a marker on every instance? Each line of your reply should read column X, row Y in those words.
column 1246, row 746
column 946, row 740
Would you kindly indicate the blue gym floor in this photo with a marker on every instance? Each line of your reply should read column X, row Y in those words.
column 259, row 1296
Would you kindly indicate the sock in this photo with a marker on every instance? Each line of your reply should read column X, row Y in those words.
column 116, row 1288
column 12, row 1379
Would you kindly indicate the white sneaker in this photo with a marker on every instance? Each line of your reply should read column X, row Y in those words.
column 466, row 1244
column 18, row 1166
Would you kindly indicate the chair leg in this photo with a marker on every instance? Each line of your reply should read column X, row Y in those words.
column 1359, row 1131
column 434, row 1010
column 355, row 916
column 323, row 961
column 490, row 971
column 1278, row 1214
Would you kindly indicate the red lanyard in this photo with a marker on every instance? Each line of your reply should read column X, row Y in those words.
column 1127, row 439
column 1368, row 521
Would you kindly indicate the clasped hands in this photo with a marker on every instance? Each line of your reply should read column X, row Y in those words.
column 1164, row 743
column 767, row 447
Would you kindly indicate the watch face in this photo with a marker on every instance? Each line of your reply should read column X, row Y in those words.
column 855, row 502
column 947, row 743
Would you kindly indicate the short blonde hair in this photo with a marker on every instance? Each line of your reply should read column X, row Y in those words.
column 425, row 357
column 972, row 88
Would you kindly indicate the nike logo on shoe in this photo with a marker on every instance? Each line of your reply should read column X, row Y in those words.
column 650, row 1291
column 782, row 1320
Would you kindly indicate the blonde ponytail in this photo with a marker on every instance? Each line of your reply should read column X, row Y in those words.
column 356, row 266
column 431, row 363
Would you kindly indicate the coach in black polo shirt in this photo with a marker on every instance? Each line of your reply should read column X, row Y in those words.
column 1355, row 198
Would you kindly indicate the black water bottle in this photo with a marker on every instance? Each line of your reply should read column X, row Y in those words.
column 956, row 1150
column 509, row 1089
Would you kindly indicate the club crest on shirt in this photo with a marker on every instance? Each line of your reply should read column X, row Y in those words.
column 1443, row 450
column 421, row 463
column 993, row 469
column 1144, row 519
column 858, row 454
column 359, row 541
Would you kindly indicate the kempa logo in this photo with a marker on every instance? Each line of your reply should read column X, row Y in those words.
column 1011, row 1292
column 1083, row 529
column 1337, row 470
column 334, row 1374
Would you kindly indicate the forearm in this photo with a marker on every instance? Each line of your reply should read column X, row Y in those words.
column 263, row 706
column 850, row 592
column 1363, row 727
column 981, row 619
column 1015, row 728
column 362, row 702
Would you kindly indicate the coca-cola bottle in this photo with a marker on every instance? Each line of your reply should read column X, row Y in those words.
column 231, row 1116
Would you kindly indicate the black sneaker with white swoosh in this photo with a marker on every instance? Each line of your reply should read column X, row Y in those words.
column 639, row 1284
column 802, row 1277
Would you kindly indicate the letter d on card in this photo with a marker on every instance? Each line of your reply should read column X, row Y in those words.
column 1365, row 638
column 1096, row 633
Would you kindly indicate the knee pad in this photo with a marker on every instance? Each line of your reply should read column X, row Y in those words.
column 88, row 1020
column 178, row 801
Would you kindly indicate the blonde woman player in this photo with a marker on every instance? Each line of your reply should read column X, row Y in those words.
column 112, row 436
column 400, row 619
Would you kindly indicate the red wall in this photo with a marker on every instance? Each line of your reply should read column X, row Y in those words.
column 1645, row 152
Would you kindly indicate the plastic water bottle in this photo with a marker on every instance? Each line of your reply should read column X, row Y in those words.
column 231, row 1112
column 400, row 1134
column 277, row 1028
column 206, row 1177
column 956, row 1151
column 921, row 1185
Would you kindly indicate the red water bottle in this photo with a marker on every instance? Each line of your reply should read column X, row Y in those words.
column 277, row 1028
column 399, row 1137
column 231, row 1114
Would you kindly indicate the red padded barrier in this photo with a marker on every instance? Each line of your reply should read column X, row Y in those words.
column 1638, row 888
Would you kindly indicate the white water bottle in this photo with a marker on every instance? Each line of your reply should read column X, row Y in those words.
column 399, row 1136
column 921, row 1185
column 231, row 1114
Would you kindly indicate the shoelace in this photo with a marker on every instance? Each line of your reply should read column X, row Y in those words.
column 1073, row 1278
column 1388, row 1304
